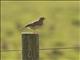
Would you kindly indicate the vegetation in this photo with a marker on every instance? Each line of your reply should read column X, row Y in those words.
column 58, row 30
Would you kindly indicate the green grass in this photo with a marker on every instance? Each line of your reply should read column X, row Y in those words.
column 57, row 27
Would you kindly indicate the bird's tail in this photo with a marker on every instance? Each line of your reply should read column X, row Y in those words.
column 24, row 28
column 27, row 25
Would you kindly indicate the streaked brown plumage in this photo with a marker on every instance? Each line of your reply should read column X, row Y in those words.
column 36, row 24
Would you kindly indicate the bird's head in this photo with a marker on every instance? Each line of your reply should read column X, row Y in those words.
column 41, row 18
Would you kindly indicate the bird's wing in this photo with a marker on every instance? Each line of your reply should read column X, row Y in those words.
column 32, row 23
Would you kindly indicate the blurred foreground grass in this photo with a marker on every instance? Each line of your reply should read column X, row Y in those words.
column 58, row 30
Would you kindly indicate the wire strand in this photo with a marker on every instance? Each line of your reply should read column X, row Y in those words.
column 48, row 49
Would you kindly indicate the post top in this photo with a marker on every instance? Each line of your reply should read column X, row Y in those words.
column 28, row 33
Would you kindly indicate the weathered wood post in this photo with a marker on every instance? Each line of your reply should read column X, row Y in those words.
column 30, row 46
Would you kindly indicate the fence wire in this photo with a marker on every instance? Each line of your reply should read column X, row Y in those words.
column 60, row 48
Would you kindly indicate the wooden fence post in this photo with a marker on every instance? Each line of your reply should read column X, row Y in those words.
column 30, row 46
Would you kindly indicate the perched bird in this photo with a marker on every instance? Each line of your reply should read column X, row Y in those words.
column 35, row 25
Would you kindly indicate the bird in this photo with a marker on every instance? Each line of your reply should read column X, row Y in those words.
column 36, row 24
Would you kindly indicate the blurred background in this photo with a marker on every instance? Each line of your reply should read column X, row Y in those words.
column 61, row 28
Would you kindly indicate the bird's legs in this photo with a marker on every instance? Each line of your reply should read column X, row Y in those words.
column 35, row 31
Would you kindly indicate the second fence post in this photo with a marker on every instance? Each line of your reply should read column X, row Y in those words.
column 30, row 46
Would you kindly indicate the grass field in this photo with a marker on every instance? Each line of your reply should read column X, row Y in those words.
column 58, row 30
